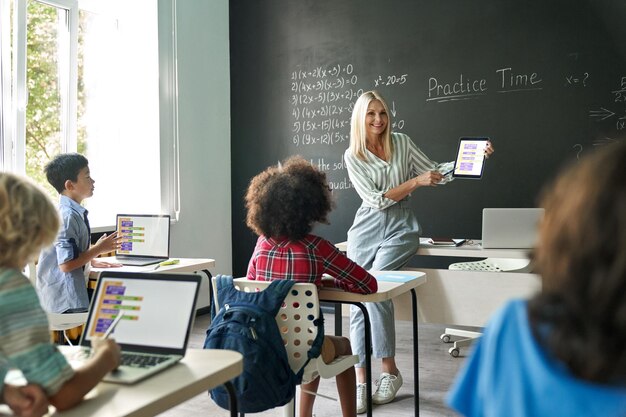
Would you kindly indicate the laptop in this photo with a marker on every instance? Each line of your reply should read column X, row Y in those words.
column 154, row 330
column 510, row 227
column 145, row 238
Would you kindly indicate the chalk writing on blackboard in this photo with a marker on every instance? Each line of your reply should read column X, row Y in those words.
column 387, row 80
column 510, row 81
column 462, row 89
column 600, row 114
column 322, row 100
column 577, row 80
column 620, row 93
column 335, row 184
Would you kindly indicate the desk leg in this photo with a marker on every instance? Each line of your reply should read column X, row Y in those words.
column 416, row 387
column 338, row 320
column 368, row 355
column 232, row 398
column 211, row 305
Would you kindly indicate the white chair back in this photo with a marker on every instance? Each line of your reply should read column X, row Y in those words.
column 30, row 270
column 295, row 322
column 294, row 319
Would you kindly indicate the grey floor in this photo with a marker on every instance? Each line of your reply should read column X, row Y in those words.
column 436, row 372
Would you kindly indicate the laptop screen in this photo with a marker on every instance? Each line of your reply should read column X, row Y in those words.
column 510, row 227
column 144, row 235
column 158, row 310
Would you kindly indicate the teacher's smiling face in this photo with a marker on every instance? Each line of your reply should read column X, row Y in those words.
column 376, row 120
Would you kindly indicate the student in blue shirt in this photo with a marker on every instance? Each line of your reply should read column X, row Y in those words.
column 63, row 267
column 563, row 352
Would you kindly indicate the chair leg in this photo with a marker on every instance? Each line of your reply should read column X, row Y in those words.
column 467, row 338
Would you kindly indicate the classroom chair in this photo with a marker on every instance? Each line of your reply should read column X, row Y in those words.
column 485, row 265
column 295, row 322
column 59, row 323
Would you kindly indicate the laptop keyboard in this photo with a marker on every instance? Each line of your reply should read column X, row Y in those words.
column 141, row 361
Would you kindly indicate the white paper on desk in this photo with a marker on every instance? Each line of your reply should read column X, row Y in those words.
column 395, row 277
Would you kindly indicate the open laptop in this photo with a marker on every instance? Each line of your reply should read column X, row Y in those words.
column 145, row 238
column 158, row 315
column 510, row 227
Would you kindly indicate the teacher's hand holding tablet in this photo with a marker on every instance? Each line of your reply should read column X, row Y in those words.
column 489, row 149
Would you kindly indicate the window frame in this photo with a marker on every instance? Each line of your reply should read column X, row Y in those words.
column 68, row 80
column 15, row 97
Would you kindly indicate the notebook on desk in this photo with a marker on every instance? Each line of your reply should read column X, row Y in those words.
column 154, row 330
column 510, row 227
column 145, row 238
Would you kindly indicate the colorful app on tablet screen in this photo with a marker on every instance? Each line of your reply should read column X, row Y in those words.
column 470, row 158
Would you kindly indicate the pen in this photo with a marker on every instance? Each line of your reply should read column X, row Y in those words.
column 117, row 319
column 165, row 263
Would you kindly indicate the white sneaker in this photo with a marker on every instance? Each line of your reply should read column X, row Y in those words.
column 387, row 388
column 361, row 400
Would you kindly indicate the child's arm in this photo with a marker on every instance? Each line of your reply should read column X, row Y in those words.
column 107, row 243
column 26, row 401
column 106, row 358
column 347, row 275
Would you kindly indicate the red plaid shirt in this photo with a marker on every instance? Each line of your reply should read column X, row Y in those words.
column 305, row 261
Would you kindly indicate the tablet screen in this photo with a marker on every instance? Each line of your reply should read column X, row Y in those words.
column 470, row 158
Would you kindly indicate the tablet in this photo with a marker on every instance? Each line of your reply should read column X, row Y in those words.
column 470, row 158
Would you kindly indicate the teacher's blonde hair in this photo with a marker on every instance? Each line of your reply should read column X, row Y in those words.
column 28, row 221
column 358, row 137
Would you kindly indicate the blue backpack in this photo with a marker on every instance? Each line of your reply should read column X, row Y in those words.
column 246, row 323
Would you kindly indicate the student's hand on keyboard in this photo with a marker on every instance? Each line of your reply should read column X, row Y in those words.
column 107, row 350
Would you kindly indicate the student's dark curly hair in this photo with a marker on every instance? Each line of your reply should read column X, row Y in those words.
column 580, row 316
column 287, row 200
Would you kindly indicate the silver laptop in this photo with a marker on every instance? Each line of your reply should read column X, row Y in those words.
column 510, row 227
column 145, row 238
column 154, row 330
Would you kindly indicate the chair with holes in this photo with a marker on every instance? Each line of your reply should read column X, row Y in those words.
column 295, row 322
column 57, row 322
column 485, row 265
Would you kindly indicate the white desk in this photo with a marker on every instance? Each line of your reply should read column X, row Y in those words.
column 186, row 265
column 386, row 291
column 466, row 297
column 199, row 371
column 474, row 250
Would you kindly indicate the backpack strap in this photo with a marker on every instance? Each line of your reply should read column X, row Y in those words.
column 277, row 291
column 224, row 288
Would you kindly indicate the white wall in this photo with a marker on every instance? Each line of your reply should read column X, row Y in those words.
column 204, row 227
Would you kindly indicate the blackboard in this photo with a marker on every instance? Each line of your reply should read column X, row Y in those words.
column 545, row 79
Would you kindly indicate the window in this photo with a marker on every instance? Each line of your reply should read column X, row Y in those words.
column 85, row 78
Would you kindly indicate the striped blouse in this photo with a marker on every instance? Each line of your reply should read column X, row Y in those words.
column 24, row 335
column 374, row 177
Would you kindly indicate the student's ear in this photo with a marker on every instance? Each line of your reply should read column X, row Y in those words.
column 69, row 185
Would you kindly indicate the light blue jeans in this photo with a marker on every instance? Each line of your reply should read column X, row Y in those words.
column 380, row 240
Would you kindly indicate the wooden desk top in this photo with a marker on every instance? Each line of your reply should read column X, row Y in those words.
column 185, row 265
column 198, row 371
column 386, row 289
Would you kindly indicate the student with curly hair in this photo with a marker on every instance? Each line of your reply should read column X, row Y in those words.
column 284, row 202
column 563, row 352
column 28, row 222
